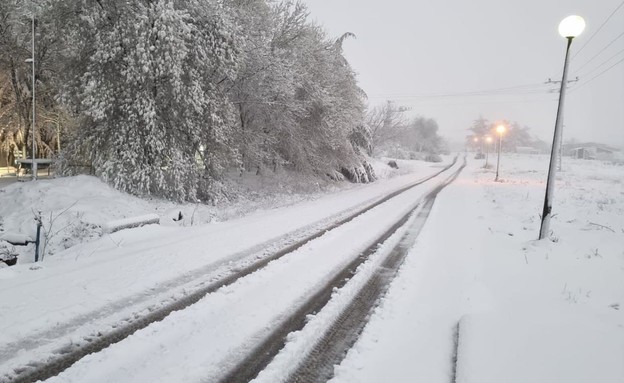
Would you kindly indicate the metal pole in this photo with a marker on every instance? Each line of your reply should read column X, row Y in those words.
column 487, row 154
column 37, row 240
column 560, row 163
column 552, row 168
column 34, row 164
column 500, row 142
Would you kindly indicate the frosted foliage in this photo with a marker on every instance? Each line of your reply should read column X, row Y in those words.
column 172, row 94
column 149, row 96
column 297, row 98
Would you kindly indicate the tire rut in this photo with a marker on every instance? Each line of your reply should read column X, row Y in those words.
column 331, row 349
column 340, row 336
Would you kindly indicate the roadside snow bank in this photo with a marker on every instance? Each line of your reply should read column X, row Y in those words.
column 72, row 209
column 76, row 209
column 554, row 345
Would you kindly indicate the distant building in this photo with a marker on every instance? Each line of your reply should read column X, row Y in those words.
column 591, row 151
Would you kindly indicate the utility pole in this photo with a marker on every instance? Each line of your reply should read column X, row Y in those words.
column 34, row 84
column 569, row 28
column 31, row 60
column 560, row 159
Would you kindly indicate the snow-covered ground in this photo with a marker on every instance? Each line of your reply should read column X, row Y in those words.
column 525, row 310
column 77, row 209
column 547, row 311
column 97, row 284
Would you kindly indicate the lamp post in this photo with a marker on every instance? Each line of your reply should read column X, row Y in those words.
column 569, row 28
column 31, row 60
column 488, row 141
column 500, row 129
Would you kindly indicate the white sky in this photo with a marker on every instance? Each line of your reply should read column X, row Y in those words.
column 408, row 48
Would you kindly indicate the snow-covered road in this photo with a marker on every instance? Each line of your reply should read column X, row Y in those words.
column 209, row 337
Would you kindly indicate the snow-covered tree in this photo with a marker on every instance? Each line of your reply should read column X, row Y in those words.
column 479, row 129
column 16, row 78
column 297, row 99
column 149, row 80
column 387, row 124
column 422, row 136
column 160, row 97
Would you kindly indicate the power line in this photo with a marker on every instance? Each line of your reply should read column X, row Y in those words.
column 450, row 102
column 603, row 63
column 512, row 90
column 598, row 75
column 557, row 90
column 599, row 28
column 602, row 50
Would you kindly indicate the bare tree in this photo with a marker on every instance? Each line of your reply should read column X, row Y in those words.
column 386, row 123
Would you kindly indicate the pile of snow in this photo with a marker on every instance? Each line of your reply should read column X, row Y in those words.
column 132, row 222
column 15, row 238
column 72, row 210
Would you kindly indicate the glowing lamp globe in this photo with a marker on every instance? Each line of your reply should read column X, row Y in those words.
column 500, row 129
column 571, row 26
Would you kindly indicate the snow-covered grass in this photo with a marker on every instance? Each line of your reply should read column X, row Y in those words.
column 530, row 311
column 77, row 209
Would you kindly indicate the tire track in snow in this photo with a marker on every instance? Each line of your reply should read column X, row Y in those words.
column 63, row 358
column 338, row 339
column 332, row 347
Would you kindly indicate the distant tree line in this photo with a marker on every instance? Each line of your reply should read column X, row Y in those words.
column 161, row 97
column 393, row 134
column 514, row 137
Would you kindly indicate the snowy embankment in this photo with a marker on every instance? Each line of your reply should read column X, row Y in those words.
column 530, row 311
column 95, row 285
column 79, row 209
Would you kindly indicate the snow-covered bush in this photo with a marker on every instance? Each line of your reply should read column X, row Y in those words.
column 148, row 81
column 433, row 158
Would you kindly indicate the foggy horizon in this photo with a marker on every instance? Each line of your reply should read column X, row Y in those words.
column 487, row 58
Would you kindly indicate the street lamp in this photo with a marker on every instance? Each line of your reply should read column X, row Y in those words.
column 500, row 129
column 31, row 60
column 569, row 28
column 488, row 140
